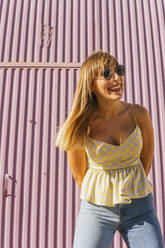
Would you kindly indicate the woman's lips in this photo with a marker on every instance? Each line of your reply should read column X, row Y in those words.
column 117, row 91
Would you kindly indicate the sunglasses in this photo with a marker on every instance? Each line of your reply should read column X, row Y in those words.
column 120, row 70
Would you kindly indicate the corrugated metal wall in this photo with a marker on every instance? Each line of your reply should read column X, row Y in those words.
column 42, row 46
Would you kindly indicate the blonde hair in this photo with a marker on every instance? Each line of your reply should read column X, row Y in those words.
column 73, row 133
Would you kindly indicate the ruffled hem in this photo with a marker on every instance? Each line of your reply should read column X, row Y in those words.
column 115, row 186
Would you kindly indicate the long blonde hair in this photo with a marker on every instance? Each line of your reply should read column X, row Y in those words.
column 73, row 133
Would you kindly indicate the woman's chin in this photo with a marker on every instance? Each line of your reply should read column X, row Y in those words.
column 115, row 95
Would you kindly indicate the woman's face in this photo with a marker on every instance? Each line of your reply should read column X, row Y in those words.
column 103, row 87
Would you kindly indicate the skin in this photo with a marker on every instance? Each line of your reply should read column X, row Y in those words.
column 109, row 104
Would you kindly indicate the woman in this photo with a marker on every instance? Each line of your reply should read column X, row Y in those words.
column 117, row 140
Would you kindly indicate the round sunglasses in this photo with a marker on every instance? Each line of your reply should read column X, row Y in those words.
column 120, row 70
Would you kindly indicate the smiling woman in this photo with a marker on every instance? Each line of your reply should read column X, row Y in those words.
column 116, row 140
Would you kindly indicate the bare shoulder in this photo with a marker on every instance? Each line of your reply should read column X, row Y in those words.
column 142, row 114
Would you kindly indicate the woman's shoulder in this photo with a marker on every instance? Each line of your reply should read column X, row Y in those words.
column 140, row 109
column 140, row 112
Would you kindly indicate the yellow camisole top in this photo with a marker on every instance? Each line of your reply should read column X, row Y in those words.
column 115, row 173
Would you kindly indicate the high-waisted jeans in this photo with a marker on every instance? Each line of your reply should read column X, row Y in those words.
column 137, row 222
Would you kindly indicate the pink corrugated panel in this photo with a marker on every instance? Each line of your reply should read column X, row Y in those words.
column 42, row 46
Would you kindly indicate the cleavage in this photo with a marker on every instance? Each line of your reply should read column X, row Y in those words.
column 114, row 140
column 118, row 130
column 116, row 143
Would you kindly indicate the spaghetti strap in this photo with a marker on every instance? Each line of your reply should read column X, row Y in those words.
column 134, row 114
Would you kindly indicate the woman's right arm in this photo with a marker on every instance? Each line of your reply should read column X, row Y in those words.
column 78, row 164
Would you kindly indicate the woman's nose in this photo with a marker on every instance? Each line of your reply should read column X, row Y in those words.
column 115, row 76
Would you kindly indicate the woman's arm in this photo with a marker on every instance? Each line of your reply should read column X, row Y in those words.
column 147, row 131
column 78, row 164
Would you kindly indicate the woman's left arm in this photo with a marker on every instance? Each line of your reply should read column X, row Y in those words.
column 147, row 130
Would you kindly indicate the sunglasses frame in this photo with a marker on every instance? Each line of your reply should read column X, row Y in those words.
column 111, row 72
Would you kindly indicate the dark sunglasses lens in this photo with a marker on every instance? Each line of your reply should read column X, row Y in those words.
column 107, row 73
column 120, row 70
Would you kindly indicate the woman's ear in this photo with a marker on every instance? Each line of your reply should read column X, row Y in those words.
column 92, row 85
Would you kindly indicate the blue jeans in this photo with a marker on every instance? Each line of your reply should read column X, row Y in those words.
column 137, row 222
